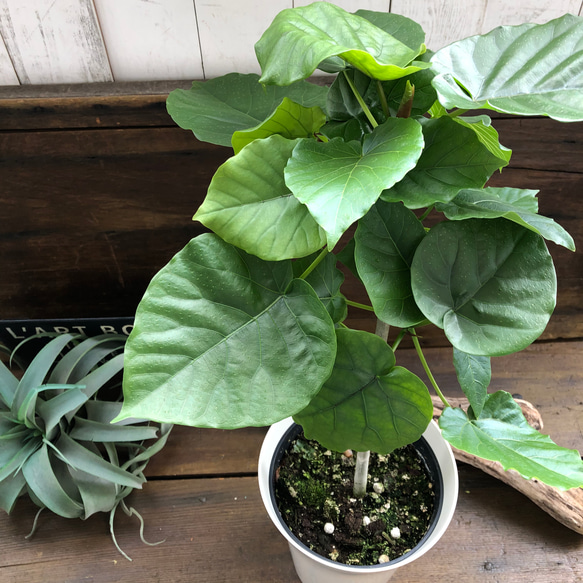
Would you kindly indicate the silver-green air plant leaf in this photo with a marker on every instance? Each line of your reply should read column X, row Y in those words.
column 225, row 339
column 71, row 461
column 501, row 433
column 300, row 39
column 490, row 284
column 339, row 181
column 454, row 158
column 491, row 203
column 249, row 205
column 368, row 403
column 385, row 242
column 214, row 110
column 530, row 69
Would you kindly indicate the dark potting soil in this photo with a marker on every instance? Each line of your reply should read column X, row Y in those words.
column 314, row 493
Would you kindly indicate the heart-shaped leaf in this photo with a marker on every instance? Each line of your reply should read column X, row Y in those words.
column 299, row 39
column 340, row 181
column 217, row 108
column 473, row 374
column 530, row 69
column 453, row 158
column 490, row 203
column 490, row 284
column 224, row 339
column 368, row 403
column 290, row 120
column 502, row 434
column 404, row 29
column 386, row 240
column 249, row 205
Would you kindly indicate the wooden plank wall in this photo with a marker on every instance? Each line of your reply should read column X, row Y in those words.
column 84, row 41
column 98, row 194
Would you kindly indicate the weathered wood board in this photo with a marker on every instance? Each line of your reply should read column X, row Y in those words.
column 202, row 498
column 89, row 215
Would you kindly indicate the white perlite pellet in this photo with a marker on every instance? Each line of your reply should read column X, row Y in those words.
column 328, row 528
column 396, row 532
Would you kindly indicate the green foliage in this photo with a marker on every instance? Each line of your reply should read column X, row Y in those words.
column 57, row 442
column 245, row 326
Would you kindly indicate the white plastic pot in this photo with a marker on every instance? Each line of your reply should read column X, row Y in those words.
column 313, row 568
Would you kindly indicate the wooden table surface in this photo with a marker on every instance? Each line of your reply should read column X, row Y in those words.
column 202, row 498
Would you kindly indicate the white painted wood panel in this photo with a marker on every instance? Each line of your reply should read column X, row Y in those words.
column 74, row 41
column 229, row 30
column 354, row 5
column 537, row 11
column 150, row 41
column 7, row 73
column 446, row 21
column 54, row 41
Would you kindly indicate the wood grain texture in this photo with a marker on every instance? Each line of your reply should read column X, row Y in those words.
column 229, row 30
column 54, row 42
column 150, row 40
column 101, row 210
column 7, row 73
column 447, row 21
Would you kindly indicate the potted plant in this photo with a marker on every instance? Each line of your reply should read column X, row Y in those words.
column 245, row 325
column 57, row 443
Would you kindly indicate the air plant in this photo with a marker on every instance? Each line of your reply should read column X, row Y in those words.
column 57, row 442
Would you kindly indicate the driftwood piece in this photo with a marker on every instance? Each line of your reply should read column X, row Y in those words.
column 564, row 506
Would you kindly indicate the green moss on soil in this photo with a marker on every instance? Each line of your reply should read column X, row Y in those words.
column 314, row 487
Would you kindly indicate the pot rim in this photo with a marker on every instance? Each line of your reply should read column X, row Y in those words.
column 445, row 500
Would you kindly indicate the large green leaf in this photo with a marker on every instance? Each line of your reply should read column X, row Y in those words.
column 531, row 69
column 340, row 181
column 386, row 240
column 217, row 108
column 290, row 120
column 368, row 403
column 482, row 126
column 473, row 374
column 404, row 29
column 453, row 158
column 490, row 284
column 491, row 203
column 299, row 39
column 249, row 205
column 502, row 434
column 224, row 339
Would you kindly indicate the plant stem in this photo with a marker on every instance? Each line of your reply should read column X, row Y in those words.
column 457, row 112
column 314, row 263
column 357, row 305
column 427, row 370
column 383, row 98
column 426, row 213
column 369, row 115
column 361, row 473
column 362, row 457
column 398, row 339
